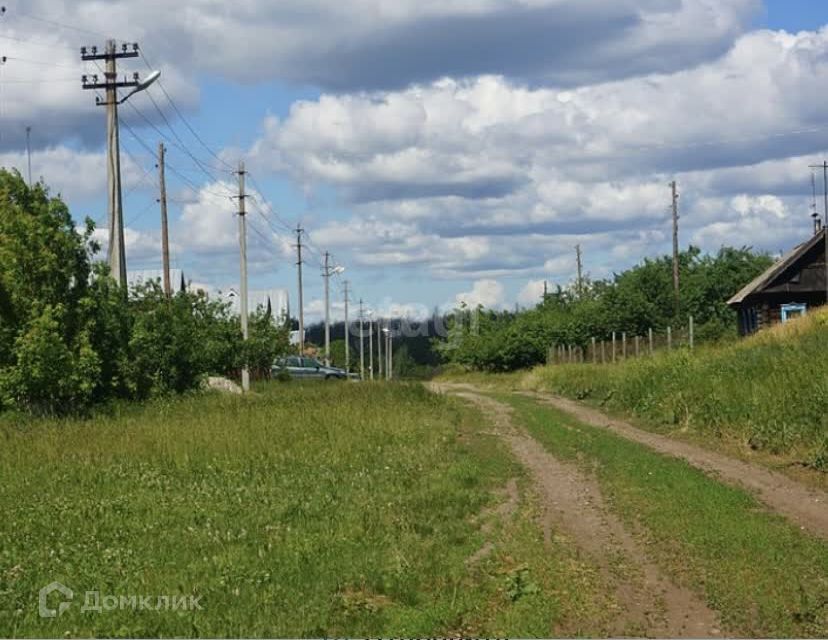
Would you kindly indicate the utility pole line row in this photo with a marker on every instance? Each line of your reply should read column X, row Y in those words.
column 299, row 232
column 347, row 284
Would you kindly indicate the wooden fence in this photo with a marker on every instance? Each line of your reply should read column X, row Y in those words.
column 621, row 346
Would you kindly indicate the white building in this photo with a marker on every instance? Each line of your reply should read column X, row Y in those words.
column 274, row 299
column 144, row 276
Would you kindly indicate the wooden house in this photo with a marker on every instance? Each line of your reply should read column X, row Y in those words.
column 786, row 290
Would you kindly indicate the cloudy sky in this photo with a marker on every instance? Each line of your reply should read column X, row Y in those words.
column 441, row 151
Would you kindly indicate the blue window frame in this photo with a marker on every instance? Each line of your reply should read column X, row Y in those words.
column 791, row 311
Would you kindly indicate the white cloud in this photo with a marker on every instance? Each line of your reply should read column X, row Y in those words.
column 532, row 293
column 488, row 293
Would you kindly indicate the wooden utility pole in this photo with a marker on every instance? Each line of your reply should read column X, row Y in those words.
column 579, row 286
column 299, row 231
column 824, row 167
column 676, row 249
column 347, row 284
column 115, row 251
column 243, row 252
column 165, row 240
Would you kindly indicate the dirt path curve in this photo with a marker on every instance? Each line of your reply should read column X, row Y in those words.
column 651, row 603
column 805, row 506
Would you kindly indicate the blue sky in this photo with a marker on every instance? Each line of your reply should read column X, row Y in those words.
column 440, row 151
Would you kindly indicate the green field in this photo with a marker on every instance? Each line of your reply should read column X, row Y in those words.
column 360, row 510
column 301, row 510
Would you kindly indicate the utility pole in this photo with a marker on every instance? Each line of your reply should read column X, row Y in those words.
column 243, row 250
column 165, row 240
column 29, row 152
column 327, row 276
column 371, row 348
column 361, row 341
column 675, row 248
column 299, row 231
column 379, row 348
column 545, row 290
column 579, row 287
column 115, row 253
column 824, row 167
column 347, row 284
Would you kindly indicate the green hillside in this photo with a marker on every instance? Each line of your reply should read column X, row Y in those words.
column 767, row 393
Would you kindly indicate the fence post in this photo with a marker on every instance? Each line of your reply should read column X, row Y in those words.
column 613, row 346
column 594, row 354
column 669, row 338
column 650, row 332
column 691, row 333
column 603, row 352
column 637, row 346
column 624, row 345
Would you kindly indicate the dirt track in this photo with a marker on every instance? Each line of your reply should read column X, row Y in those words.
column 803, row 505
column 572, row 503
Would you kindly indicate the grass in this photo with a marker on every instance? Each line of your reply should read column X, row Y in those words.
column 301, row 510
column 764, row 575
column 767, row 394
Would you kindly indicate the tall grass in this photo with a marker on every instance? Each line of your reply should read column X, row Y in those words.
column 769, row 392
column 304, row 510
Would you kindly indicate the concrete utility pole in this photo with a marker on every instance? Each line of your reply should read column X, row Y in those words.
column 326, row 274
column 389, row 351
column 379, row 348
column 29, row 152
column 347, row 284
column 243, row 251
column 299, row 231
column 361, row 341
column 675, row 248
column 824, row 167
column 165, row 240
column 371, row 347
column 115, row 252
column 579, row 287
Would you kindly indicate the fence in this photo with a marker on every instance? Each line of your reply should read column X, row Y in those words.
column 623, row 346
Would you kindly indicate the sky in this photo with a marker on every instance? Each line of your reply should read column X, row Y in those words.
column 442, row 152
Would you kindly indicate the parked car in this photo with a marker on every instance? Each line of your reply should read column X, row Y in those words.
column 302, row 368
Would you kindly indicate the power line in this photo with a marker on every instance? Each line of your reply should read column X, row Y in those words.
column 184, row 119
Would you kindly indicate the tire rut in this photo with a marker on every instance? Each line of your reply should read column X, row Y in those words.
column 805, row 506
column 572, row 503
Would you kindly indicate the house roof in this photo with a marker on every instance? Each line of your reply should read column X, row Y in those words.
column 766, row 278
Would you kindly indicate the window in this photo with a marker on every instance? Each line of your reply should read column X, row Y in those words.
column 791, row 311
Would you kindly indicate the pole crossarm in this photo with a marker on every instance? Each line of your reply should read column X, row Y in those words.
column 127, row 51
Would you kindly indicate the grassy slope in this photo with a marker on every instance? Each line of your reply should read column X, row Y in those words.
column 765, row 576
column 767, row 393
column 303, row 510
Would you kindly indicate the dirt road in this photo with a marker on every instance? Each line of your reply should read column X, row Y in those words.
column 650, row 602
column 805, row 506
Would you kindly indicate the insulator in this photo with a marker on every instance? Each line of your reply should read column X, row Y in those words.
column 135, row 76
column 83, row 79
column 83, row 51
column 135, row 46
column 94, row 50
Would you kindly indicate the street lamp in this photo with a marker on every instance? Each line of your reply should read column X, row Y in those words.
column 142, row 86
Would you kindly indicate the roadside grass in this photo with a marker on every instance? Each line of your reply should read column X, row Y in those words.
column 300, row 510
column 765, row 576
column 768, row 393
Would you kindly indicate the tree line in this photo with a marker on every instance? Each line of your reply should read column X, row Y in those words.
column 632, row 301
column 71, row 338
